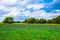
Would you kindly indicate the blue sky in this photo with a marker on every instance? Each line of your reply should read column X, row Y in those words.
column 23, row 9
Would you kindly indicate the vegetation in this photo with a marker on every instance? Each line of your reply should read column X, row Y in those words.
column 49, row 21
column 43, row 21
column 33, row 20
column 29, row 32
column 8, row 20
column 16, row 22
column 30, row 20
column 21, row 31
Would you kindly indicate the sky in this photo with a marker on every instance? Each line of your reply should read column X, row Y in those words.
column 23, row 9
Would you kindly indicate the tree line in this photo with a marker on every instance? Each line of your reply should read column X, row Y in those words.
column 33, row 20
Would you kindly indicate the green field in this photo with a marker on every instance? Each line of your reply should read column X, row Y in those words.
column 29, row 31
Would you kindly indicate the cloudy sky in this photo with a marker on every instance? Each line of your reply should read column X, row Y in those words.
column 22, row 9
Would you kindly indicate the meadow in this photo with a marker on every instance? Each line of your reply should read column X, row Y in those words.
column 29, row 31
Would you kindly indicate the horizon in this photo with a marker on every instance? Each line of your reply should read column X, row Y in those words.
column 22, row 9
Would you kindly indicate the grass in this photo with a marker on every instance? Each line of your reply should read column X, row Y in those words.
column 29, row 31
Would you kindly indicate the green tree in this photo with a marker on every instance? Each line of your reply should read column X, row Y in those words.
column 8, row 20
column 16, row 22
column 25, row 21
column 42, row 20
column 58, row 19
column 49, row 21
column 54, row 20
column 30, row 20
column 37, row 21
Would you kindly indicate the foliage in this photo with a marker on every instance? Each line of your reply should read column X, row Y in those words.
column 42, row 20
column 37, row 21
column 33, row 20
column 54, row 20
column 30, row 20
column 8, row 20
column 49, row 21
column 16, row 22
column 58, row 20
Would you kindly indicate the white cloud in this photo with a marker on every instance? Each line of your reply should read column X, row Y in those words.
column 58, row 11
column 20, row 11
column 41, row 14
column 1, row 18
column 24, row 2
column 8, row 2
column 35, row 6
column 2, row 7
column 50, row 4
column 12, row 12
column 27, row 13
column 53, row 1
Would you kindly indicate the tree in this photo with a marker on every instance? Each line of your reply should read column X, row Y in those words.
column 30, row 20
column 16, row 22
column 49, row 21
column 54, row 20
column 8, row 20
column 42, row 20
column 37, row 21
column 25, row 21
column 58, row 19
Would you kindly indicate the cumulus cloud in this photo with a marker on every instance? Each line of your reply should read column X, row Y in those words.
column 41, row 14
column 35, row 6
column 13, row 12
column 1, row 18
column 54, row 1
column 2, row 7
column 48, row 5
column 24, row 2
column 22, row 9
column 8, row 2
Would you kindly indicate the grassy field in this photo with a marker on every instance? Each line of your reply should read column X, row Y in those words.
column 29, row 31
